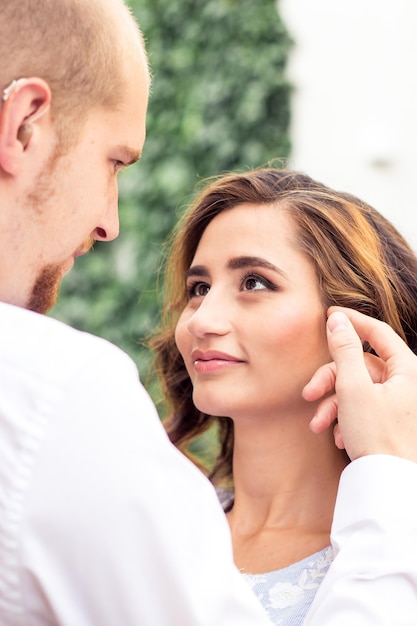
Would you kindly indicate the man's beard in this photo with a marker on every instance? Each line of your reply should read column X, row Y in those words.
column 45, row 290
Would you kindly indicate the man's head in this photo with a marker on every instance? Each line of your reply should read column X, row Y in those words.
column 73, row 116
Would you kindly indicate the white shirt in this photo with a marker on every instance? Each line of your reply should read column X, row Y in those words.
column 373, row 578
column 104, row 523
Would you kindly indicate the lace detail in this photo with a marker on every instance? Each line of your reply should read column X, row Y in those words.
column 288, row 593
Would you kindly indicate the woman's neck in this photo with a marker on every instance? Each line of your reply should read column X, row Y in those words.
column 286, row 480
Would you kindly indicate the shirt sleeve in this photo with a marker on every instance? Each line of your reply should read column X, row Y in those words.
column 120, row 528
column 373, row 579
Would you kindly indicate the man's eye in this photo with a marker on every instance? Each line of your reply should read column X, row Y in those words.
column 117, row 165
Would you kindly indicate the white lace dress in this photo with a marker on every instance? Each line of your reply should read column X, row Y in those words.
column 287, row 593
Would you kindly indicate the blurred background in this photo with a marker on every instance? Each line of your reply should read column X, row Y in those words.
column 326, row 87
column 354, row 103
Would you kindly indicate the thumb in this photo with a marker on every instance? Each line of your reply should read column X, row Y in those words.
column 346, row 350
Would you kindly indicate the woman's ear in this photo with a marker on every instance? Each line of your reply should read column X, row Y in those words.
column 24, row 101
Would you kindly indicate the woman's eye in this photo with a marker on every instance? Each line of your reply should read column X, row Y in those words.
column 196, row 290
column 253, row 283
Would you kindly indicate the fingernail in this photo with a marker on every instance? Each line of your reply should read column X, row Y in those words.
column 337, row 320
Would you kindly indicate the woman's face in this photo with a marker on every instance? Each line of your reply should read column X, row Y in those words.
column 253, row 331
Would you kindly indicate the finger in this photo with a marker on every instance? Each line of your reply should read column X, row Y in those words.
column 383, row 339
column 321, row 383
column 376, row 367
column 338, row 439
column 346, row 349
column 325, row 415
column 323, row 380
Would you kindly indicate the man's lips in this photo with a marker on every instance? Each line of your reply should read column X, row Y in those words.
column 84, row 248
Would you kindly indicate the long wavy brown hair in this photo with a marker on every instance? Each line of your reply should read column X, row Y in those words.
column 361, row 261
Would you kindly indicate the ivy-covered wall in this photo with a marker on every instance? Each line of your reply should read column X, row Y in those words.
column 220, row 101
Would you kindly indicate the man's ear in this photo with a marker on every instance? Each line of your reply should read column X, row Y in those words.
column 24, row 102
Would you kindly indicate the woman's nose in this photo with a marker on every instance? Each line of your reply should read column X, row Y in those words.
column 213, row 316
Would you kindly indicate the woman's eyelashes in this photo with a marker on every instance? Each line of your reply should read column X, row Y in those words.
column 197, row 288
column 250, row 281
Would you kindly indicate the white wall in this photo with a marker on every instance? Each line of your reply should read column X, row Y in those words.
column 354, row 126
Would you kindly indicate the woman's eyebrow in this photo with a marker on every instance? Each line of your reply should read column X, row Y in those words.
column 196, row 270
column 236, row 263
column 253, row 261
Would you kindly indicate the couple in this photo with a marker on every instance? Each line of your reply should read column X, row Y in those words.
column 102, row 520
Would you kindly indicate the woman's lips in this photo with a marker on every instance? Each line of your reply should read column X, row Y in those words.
column 208, row 361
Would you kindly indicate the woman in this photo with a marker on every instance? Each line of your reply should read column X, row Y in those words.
column 255, row 263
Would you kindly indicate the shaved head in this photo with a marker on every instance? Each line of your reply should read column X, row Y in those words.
column 81, row 48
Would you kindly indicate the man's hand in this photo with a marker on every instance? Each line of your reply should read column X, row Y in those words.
column 373, row 398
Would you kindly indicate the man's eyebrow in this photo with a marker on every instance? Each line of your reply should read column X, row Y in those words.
column 253, row 261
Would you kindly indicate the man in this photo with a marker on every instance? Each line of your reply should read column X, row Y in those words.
column 102, row 521
column 81, row 118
